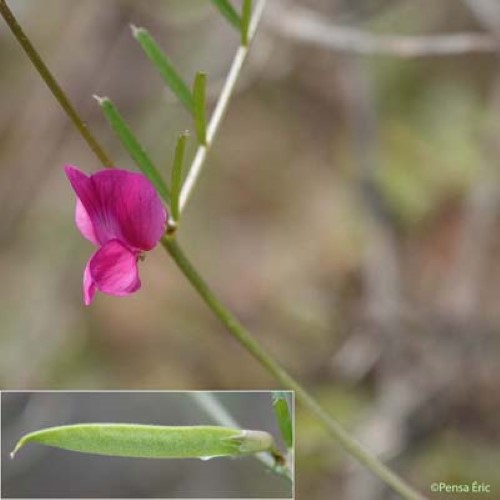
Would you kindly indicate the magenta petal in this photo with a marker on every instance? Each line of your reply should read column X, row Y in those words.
column 105, row 225
column 84, row 223
column 120, row 205
column 113, row 269
column 132, row 201
column 89, row 286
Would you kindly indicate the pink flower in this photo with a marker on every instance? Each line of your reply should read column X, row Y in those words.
column 122, row 214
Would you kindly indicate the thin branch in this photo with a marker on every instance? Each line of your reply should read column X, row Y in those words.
column 210, row 404
column 307, row 26
column 51, row 82
column 220, row 109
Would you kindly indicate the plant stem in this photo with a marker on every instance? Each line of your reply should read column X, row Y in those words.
column 51, row 82
column 220, row 109
column 245, row 338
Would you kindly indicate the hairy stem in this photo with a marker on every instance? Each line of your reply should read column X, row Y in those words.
column 220, row 109
column 245, row 338
column 51, row 82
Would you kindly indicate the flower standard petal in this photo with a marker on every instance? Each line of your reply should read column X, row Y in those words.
column 119, row 205
column 113, row 269
column 134, row 204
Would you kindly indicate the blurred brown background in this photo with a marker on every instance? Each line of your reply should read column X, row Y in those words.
column 348, row 214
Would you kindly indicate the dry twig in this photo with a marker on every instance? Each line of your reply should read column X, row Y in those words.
column 309, row 27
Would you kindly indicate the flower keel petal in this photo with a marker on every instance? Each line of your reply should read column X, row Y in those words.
column 113, row 269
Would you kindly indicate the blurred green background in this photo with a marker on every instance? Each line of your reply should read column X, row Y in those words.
column 348, row 214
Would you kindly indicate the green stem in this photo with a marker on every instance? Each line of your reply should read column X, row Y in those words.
column 245, row 338
column 51, row 82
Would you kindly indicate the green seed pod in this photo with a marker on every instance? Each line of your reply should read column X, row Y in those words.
column 151, row 441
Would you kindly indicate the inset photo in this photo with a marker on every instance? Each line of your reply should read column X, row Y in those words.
column 140, row 444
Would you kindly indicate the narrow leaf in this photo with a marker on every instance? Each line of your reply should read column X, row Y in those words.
column 176, row 183
column 282, row 412
column 164, row 66
column 199, row 97
column 228, row 11
column 133, row 146
column 246, row 15
column 150, row 441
